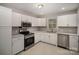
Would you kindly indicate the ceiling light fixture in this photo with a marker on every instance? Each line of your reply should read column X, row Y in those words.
column 39, row 6
column 63, row 8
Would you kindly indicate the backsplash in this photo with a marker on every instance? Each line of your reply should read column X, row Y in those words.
column 41, row 28
column 15, row 30
column 32, row 29
column 72, row 30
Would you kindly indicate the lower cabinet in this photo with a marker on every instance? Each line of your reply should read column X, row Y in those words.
column 18, row 44
column 41, row 37
column 37, row 37
column 73, row 42
column 53, row 38
column 46, row 37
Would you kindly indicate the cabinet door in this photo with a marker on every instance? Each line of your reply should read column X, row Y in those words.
column 35, row 21
column 42, row 22
column 29, row 19
column 18, row 44
column 24, row 18
column 44, row 37
column 41, row 37
column 73, row 43
column 61, row 21
column 37, row 37
column 16, row 19
column 39, row 22
column 53, row 38
column 67, row 20
column 5, row 16
column 72, row 19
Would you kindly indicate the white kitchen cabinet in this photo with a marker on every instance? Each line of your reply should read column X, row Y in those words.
column 17, row 44
column 42, row 22
column 41, row 37
column 61, row 21
column 37, row 37
column 16, row 19
column 53, row 38
column 73, row 42
column 44, row 37
column 39, row 22
column 5, row 16
column 26, row 18
column 72, row 20
column 29, row 19
column 34, row 21
column 67, row 20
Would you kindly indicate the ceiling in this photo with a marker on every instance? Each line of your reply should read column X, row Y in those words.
column 49, row 8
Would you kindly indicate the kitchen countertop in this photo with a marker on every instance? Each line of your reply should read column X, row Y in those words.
column 17, row 35
column 68, row 34
column 43, row 32
column 55, row 32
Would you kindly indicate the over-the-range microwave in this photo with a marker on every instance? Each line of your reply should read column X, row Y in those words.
column 26, row 24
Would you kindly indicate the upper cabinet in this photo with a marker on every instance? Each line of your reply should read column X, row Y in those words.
column 16, row 19
column 42, row 22
column 34, row 21
column 67, row 20
column 5, row 16
column 26, row 18
column 38, row 22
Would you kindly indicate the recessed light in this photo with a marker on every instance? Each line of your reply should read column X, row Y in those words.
column 63, row 8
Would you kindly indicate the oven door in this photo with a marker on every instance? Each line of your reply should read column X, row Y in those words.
column 28, row 41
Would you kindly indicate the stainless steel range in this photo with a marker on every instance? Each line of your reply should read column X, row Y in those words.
column 28, row 38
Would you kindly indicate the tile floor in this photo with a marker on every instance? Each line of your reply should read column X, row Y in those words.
column 47, row 49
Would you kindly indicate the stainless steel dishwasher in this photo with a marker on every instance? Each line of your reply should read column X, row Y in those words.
column 63, row 41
